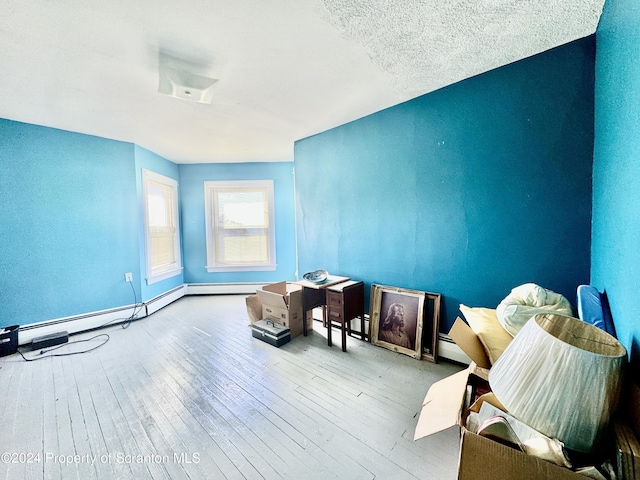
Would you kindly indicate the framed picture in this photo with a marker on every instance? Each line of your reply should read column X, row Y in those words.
column 431, row 327
column 396, row 316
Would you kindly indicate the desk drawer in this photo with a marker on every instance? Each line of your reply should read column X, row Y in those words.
column 335, row 315
column 334, row 299
column 335, row 306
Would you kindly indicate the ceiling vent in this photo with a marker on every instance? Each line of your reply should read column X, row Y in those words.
column 187, row 86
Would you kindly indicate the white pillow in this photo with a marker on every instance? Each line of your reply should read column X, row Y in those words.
column 526, row 301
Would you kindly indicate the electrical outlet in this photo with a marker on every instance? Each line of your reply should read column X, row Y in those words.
column 128, row 277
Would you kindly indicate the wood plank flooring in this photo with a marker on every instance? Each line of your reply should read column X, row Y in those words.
column 188, row 393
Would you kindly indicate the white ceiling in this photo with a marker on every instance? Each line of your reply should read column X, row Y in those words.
column 286, row 69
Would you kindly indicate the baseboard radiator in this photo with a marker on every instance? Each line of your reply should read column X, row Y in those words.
column 223, row 288
column 446, row 346
column 114, row 316
column 98, row 319
column 80, row 323
column 164, row 299
column 448, row 349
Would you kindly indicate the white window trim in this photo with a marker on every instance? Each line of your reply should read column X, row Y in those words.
column 209, row 187
column 176, row 268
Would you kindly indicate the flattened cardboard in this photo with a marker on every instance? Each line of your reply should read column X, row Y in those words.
column 491, row 399
column 254, row 308
column 469, row 342
column 442, row 407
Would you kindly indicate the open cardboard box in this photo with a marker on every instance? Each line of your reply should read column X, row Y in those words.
column 446, row 405
column 282, row 303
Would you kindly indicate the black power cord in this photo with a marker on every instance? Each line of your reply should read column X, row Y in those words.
column 40, row 355
column 137, row 307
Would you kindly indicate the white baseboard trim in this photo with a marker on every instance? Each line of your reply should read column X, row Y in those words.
column 164, row 299
column 222, row 288
column 80, row 323
column 98, row 319
column 448, row 349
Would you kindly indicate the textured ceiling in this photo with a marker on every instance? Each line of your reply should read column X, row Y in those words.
column 286, row 69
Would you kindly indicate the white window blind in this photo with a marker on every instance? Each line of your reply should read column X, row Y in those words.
column 161, row 226
column 240, row 229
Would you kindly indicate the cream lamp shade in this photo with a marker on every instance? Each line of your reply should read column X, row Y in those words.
column 562, row 377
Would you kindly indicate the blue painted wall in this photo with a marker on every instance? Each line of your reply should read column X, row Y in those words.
column 71, row 222
column 144, row 159
column 192, row 178
column 68, row 223
column 616, row 169
column 468, row 191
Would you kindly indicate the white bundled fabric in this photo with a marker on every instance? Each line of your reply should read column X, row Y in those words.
column 526, row 301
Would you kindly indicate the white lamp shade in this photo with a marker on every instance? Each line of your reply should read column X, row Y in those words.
column 562, row 377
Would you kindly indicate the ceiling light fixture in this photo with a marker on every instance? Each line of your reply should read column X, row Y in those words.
column 185, row 85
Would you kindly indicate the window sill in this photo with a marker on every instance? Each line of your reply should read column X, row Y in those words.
column 241, row 268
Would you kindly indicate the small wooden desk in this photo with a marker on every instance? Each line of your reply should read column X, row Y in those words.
column 314, row 295
column 345, row 301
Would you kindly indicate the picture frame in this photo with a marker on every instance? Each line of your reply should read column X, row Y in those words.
column 431, row 327
column 396, row 319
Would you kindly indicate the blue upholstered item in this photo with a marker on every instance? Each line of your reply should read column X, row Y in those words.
column 593, row 308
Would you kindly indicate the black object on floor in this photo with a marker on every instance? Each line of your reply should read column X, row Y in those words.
column 271, row 332
column 49, row 340
column 9, row 340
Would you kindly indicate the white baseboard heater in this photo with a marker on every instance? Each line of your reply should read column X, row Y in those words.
column 98, row 319
column 223, row 288
column 164, row 299
column 80, row 323
column 448, row 349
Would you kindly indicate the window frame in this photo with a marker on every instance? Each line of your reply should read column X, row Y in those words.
column 157, row 274
column 210, row 188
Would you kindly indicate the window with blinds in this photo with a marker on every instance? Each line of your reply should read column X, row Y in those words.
column 240, row 227
column 162, row 236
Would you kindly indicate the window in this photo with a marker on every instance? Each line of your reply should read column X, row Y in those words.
column 240, row 226
column 162, row 235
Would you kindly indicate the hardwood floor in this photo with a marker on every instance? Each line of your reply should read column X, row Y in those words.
column 188, row 393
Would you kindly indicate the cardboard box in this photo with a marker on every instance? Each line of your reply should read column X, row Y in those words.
column 481, row 458
column 282, row 303
column 445, row 406
column 254, row 308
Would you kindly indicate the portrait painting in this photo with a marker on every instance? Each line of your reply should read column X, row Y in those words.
column 396, row 316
